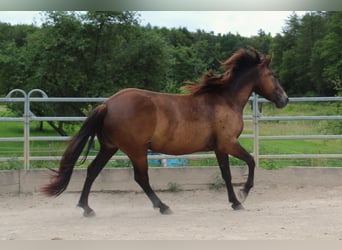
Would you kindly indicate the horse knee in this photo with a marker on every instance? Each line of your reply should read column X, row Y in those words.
column 250, row 162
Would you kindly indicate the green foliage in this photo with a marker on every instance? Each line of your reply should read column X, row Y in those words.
column 217, row 183
column 308, row 54
column 12, row 164
column 98, row 53
column 174, row 187
column 331, row 52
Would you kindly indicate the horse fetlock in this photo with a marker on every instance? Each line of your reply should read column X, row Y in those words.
column 242, row 195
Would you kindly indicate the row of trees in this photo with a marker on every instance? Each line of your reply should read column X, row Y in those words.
column 93, row 54
column 98, row 53
column 308, row 55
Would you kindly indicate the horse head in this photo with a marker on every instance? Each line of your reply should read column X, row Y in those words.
column 268, row 84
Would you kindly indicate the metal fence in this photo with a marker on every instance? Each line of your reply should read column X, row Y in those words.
column 256, row 117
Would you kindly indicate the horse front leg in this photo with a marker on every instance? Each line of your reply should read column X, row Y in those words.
column 223, row 161
column 235, row 149
column 239, row 152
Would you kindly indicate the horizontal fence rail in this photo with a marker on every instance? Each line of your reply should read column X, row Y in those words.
column 256, row 118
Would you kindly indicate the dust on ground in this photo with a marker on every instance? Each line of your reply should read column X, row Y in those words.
column 270, row 213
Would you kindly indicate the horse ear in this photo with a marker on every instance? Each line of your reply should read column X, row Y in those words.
column 268, row 59
column 256, row 53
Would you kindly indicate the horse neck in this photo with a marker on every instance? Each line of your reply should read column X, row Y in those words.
column 240, row 91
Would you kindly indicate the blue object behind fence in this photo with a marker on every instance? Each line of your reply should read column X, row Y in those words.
column 169, row 162
column 176, row 162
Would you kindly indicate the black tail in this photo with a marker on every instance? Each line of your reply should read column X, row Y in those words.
column 61, row 177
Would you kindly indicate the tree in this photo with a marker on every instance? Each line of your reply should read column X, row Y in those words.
column 311, row 31
column 262, row 41
column 298, row 54
column 331, row 52
column 94, row 54
column 13, row 40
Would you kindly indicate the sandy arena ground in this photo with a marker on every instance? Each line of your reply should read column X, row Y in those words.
column 271, row 213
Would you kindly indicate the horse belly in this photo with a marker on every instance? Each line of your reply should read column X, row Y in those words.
column 184, row 140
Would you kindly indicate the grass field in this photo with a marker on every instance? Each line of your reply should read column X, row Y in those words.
column 15, row 129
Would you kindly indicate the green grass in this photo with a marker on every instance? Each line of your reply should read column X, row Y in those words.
column 15, row 149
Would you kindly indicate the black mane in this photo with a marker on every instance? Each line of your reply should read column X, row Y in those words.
column 240, row 61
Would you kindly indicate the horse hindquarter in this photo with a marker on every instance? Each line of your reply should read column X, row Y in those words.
column 130, row 120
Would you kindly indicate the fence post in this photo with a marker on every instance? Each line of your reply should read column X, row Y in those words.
column 256, row 115
column 26, row 126
column 28, row 115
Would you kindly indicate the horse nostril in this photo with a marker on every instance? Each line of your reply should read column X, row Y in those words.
column 286, row 101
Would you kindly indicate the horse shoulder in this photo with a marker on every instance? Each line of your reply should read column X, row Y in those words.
column 228, row 121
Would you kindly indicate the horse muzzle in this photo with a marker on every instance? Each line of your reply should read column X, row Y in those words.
column 282, row 101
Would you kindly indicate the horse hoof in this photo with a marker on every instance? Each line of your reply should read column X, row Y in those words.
column 87, row 211
column 89, row 214
column 165, row 209
column 242, row 195
column 237, row 207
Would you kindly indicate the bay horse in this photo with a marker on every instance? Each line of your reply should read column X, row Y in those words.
column 208, row 118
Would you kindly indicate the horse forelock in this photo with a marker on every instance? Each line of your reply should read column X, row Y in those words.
column 241, row 60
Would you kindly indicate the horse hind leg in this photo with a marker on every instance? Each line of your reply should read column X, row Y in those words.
column 142, row 178
column 93, row 171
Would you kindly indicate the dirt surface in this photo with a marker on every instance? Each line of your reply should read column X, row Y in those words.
column 270, row 213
